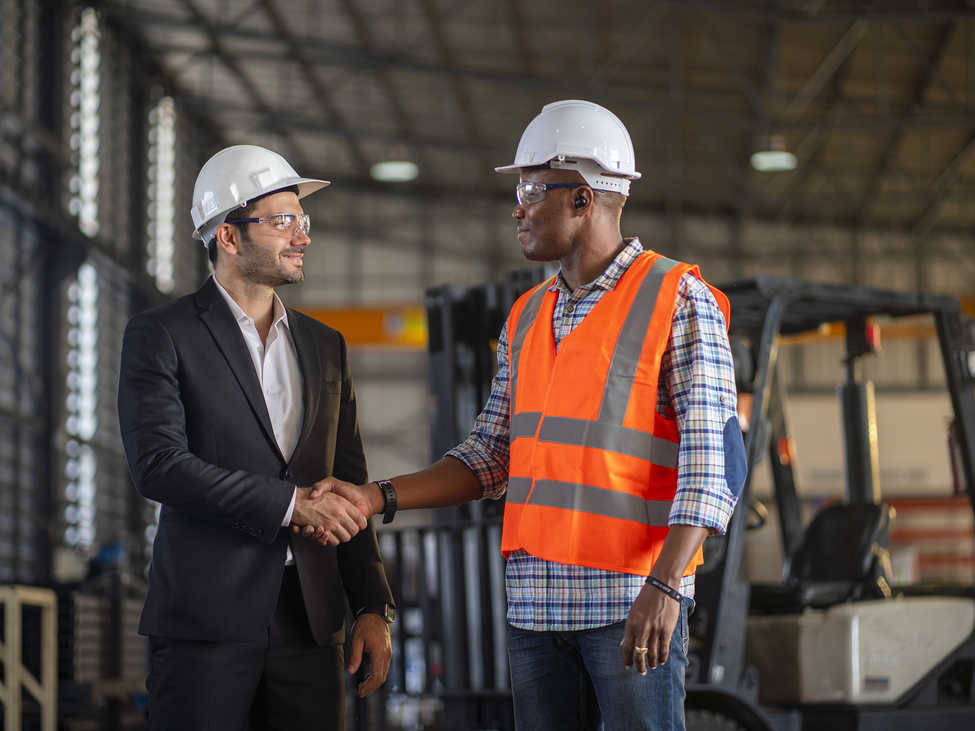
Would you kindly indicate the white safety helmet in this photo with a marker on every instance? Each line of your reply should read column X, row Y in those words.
column 582, row 136
column 235, row 176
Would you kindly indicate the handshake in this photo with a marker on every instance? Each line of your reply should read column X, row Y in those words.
column 332, row 511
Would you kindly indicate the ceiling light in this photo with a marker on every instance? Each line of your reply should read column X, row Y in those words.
column 395, row 171
column 772, row 156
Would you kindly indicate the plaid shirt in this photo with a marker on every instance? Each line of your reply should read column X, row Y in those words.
column 696, row 381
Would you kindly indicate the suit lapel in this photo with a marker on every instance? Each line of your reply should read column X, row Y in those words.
column 219, row 320
column 311, row 374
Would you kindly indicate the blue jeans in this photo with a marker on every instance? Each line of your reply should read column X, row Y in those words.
column 572, row 681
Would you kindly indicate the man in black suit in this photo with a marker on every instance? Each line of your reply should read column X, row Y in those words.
column 232, row 407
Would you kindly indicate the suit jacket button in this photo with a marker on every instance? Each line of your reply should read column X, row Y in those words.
column 289, row 475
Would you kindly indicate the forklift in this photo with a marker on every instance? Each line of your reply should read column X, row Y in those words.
column 835, row 646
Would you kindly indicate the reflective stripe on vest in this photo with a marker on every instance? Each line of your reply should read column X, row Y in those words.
column 612, row 438
column 524, row 424
column 629, row 344
column 607, row 432
column 589, row 499
column 525, row 322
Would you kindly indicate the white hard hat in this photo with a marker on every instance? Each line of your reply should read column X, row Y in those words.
column 237, row 175
column 582, row 136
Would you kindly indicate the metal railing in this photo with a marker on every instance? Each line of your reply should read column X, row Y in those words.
column 38, row 678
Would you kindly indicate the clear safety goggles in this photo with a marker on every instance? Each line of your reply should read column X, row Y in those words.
column 527, row 193
column 285, row 224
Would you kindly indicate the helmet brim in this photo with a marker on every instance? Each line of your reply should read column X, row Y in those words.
column 518, row 169
column 511, row 169
column 307, row 185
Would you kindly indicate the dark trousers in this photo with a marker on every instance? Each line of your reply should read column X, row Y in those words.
column 280, row 681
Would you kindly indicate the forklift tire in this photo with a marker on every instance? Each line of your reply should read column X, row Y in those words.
column 695, row 720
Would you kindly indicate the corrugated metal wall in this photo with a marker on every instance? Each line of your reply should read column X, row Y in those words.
column 74, row 128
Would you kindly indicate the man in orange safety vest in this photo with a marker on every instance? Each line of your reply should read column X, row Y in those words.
column 612, row 428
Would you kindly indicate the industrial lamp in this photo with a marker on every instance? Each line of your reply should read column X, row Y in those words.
column 772, row 156
column 396, row 169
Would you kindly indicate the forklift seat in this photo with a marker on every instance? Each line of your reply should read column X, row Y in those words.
column 841, row 557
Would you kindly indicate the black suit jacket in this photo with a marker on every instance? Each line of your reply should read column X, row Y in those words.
column 198, row 439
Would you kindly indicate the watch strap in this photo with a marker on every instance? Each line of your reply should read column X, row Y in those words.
column 389, row 496
column 386, row 611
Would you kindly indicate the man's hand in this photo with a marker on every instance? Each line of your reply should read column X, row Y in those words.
column 359, row 495
column 332, row 518
column 370, row 634
column 651, row 623
column 367, row 498
column 653, row 615
column 444, row 483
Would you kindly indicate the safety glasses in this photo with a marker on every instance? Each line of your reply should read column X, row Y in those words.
column 527, row 193
column 285, row 224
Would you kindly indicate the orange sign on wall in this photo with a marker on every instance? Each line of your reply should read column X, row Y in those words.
column 399, row 326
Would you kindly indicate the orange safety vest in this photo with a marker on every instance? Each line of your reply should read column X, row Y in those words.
column 593, row 469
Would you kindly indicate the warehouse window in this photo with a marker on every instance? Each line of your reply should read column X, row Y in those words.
column 85, row 121
column 162, row 193
column 82, row 407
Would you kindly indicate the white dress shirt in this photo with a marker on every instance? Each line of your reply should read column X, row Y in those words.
column 276, row 363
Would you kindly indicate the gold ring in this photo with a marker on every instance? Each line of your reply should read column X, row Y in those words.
column 640, row 650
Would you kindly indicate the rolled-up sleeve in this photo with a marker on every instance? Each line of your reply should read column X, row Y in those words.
column 697, row 372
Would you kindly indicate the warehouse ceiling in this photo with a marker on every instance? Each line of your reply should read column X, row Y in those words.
column 875, row 99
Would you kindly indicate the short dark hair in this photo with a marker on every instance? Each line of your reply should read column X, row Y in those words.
column 611, row 200
column 246, row 211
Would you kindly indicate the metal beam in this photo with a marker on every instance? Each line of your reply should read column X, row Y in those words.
column 365, row 36
column 929, row 68
column 458, row 86
column 237, row 71
column 675, row 138
column 769, row 90
column 830, row 65
column 245, row 114
column 970, row 63
column 521, row 39
column 880, row 71
column 320, row 52
column 942, row 188
column 731, row 66
column 775, row 13
column 889, row 154
column 735, row 171
column 637, row 35
column 320, row 92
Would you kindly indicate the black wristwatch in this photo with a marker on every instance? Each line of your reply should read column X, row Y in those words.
column 386, row 611
column 389, row 496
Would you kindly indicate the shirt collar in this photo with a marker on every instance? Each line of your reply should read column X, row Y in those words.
column 608, row 279
column 279, row 314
